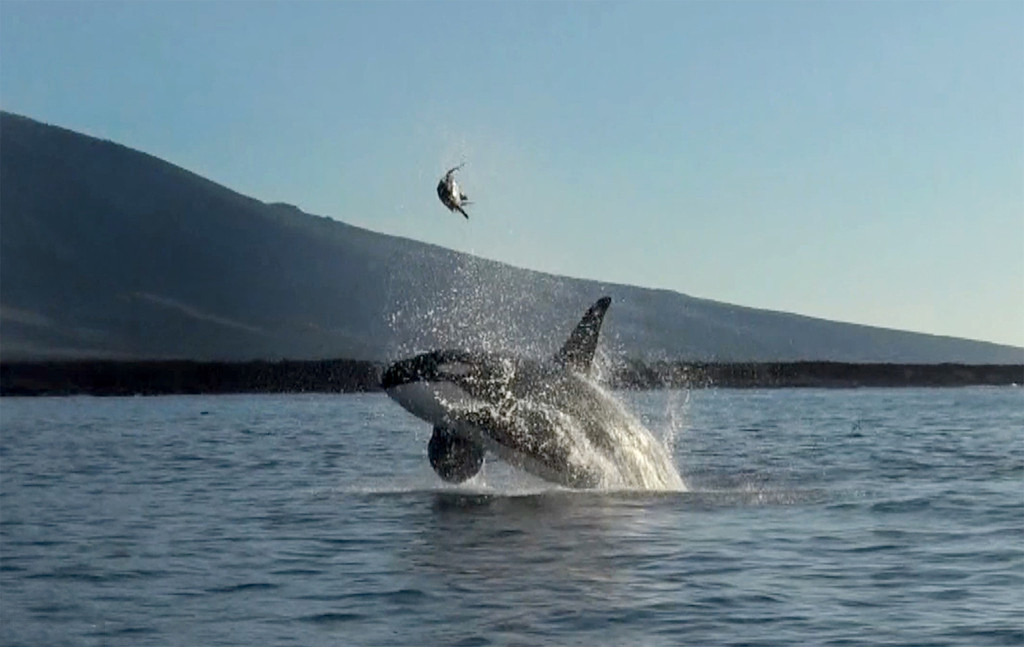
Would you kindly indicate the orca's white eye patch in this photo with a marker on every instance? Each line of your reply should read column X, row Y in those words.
column 456, row 369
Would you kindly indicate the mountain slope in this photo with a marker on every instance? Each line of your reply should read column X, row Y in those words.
column 108, row 252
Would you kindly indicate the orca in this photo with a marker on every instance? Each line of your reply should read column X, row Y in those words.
column 450, row 194
column 547, row 417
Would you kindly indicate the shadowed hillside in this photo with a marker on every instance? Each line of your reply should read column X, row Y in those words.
column 106, row 252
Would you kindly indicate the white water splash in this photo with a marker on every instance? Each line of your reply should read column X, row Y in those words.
column 632, row 458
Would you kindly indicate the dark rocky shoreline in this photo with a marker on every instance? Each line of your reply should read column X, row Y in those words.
column 164, row 377
column 813, row 374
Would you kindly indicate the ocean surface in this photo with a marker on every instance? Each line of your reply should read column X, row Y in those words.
column 811, row 517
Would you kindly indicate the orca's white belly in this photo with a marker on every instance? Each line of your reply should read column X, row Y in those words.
column 432, row 401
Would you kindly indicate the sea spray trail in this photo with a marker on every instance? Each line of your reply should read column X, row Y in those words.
column 474, row 303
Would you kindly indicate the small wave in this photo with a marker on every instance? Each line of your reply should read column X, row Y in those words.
column 333, row 617
column 248, row 586
column 125, row 632
column 902, row 506
column 86, row 574
column 296, row 572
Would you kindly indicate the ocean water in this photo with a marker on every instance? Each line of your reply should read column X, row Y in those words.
column 812, row 517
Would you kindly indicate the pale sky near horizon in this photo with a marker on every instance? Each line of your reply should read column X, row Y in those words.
column 856, row 161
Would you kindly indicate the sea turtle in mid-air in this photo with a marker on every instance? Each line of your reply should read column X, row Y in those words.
column 450, row 193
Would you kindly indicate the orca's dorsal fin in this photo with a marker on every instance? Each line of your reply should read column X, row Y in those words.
column 578, row 352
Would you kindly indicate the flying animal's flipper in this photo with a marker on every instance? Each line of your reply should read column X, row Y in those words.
column 578, row 352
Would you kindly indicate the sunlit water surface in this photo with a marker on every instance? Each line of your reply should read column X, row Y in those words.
column 846, row 517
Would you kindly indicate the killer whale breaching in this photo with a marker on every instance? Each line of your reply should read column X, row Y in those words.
column 450, row 194
column 547, row 417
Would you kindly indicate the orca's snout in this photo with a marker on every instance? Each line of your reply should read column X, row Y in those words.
column 396, row 375
column 405, row 371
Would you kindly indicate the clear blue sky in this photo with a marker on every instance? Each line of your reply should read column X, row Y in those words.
column 858, row 161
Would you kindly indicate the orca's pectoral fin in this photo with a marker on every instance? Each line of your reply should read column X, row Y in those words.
column 453, row 458
column 578, row 351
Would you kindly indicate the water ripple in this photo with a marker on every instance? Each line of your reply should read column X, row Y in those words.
column 857, row 517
